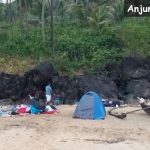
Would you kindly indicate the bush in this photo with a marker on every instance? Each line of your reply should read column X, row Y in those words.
column 135, row 35
column 80, row 43
column 29, row 44
column 78, row 48
column 75, row 47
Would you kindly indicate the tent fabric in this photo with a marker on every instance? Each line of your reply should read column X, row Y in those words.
column 90, row 106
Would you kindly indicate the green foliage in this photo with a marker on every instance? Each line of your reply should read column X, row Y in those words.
column 135, row 35
column 80, row 43
column 103, row 55
column 115, row 11
column 87, row 33
column 76, row 47
column 29, row 44
column 1, row 12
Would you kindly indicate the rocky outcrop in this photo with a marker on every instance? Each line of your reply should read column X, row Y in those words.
column 132, row 77
column 70, row 89
column 36, row 78
column 126, row 81
column 102, row 85
column 11, row 86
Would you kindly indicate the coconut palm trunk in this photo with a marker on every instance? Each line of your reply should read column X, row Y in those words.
column 9, row 15
column 10, row 10
column 21, row 16
column 43, row 20
column 52, row 23
column 52, row 26
column 26, row 14
column 62, row 13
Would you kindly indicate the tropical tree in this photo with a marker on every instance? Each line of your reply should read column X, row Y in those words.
column 87, row 11
column 97, row 17
column 1, row 10
column 116, row 11
column 60, row 9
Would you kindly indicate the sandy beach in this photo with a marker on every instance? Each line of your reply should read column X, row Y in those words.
column 61, row 132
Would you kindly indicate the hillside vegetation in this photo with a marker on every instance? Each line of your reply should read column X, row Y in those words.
column 83, row 35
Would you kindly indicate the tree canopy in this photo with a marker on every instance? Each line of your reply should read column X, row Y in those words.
column 82, row 32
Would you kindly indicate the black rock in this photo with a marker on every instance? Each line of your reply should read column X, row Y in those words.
column 131, row 99
column 102, row 85
column 11, row 86
column 37, row 78
column 134, row 68
column 126, row 81
column 139, row 88
column 67, row 89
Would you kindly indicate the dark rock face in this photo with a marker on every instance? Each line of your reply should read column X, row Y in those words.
column 133, row 68
column 139, row 88
column 67, row 89
column 70, row 88
column 36, row 79
column 102, row 85
column 46, row 69
column 126, row 81
column 132, row 77
column 16, row 87
column 130, row 99
column 108, row 88
column 10, row 86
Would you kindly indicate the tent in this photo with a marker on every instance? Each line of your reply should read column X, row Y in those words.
column 90, row 106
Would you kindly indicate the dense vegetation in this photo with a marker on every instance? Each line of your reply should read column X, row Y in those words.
column 87, row 33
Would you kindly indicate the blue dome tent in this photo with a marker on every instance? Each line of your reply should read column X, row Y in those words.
column 90, row 106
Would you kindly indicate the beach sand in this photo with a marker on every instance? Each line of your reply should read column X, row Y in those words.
column 62, row 132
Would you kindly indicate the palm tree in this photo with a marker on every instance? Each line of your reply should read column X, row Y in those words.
column 86, row 10
column 116, row 11
column 26, row 13
column 75, row 10
column 20, row 14
column 103, row 12
column 10, row 17
column 23, row 6
column 1, row 10
column 52, row 24
column 43, row 19
column 97, row 17
column 60, row 9
column 9, row 14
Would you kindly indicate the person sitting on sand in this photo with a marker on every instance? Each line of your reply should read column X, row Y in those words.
column 37, row 104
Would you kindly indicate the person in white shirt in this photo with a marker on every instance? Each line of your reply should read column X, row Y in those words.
column 48, row 92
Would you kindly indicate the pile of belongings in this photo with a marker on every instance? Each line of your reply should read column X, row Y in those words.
column 5, row 111
column 22, row 109
column 34, row 106
column 111, row 103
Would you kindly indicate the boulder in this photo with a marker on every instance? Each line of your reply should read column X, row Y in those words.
column 7, row 101
column 36, row 78
column 134, row 68
column 67, row 89
column 46, row 69
column 126, row 81
column 139, row 88
column 132, row 77
column 130, row 99
column 11, row 86
column 71, row 89
column 102, row 85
